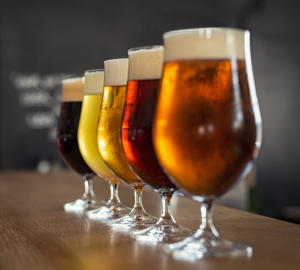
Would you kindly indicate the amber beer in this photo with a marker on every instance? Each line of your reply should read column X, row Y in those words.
column 206, row 126
column 109, row 127
column 142, row 91
column 72, row 94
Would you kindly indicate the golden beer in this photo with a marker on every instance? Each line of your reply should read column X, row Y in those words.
column 109, row 140
column 109, row 134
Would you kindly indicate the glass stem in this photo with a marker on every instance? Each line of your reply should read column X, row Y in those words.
column 207, row 227
column 88, row 184
column 166, row 216
column 138, row 205
column 114, row 197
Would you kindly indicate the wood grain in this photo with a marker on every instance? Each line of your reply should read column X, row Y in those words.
column 36, row 233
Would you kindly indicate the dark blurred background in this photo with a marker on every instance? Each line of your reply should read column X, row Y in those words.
column 45, row 41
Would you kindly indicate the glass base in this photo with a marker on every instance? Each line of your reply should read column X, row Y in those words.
column 204, row 246
column 107, row 212
column 83, row 205
column 134, row 220
column 165, row 233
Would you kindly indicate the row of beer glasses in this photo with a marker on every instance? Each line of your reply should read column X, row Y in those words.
column 186, row 112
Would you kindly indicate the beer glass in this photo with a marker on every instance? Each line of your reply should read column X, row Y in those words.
column 87, row 140
column 207, row 128
column 145, row 70
column 72, row 94
column 109, row 140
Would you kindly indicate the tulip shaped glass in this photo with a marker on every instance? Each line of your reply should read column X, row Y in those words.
column 207, row 128
column 72, row 94
column 88, row 145
column 145, row 70
column 109, row 141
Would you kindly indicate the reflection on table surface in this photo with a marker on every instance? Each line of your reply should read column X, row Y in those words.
column 36, row 232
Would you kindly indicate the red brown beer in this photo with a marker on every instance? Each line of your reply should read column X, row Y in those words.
column 137, row 122
column 145, row 70
column 141, row 97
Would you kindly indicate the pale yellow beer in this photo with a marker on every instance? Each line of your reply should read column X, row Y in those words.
column 87, row 130
column 109, row 127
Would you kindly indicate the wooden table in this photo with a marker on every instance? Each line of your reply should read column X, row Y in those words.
column 36, row 233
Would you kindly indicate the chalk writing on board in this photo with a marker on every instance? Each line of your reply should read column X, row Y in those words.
column 40, row 96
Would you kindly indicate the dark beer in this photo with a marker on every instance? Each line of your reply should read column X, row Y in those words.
column 137, row 133
column 72, row 95
column 67, row 137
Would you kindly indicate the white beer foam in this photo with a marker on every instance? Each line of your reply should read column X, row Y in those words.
column 94, row 81
column 72, row 89
column 116, row 72
column 146, row 63
column 205, row 43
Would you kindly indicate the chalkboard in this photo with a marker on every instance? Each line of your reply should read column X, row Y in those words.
column 45, row 41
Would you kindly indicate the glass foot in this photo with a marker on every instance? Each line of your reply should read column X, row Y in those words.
column 112, row 211
column 134, row 220
column 206, row 245
column 83, row 204
column 166, row 233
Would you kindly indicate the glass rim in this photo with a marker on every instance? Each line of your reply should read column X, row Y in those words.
column 94, row 70
column 72, row 78
column 146, row 48
column 216, row 29
column 117, row 59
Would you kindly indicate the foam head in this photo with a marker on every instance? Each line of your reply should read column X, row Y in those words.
column 72, row 89
column 205, row 43
column 93, row 82
column 116, row 72
column 145, row 63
